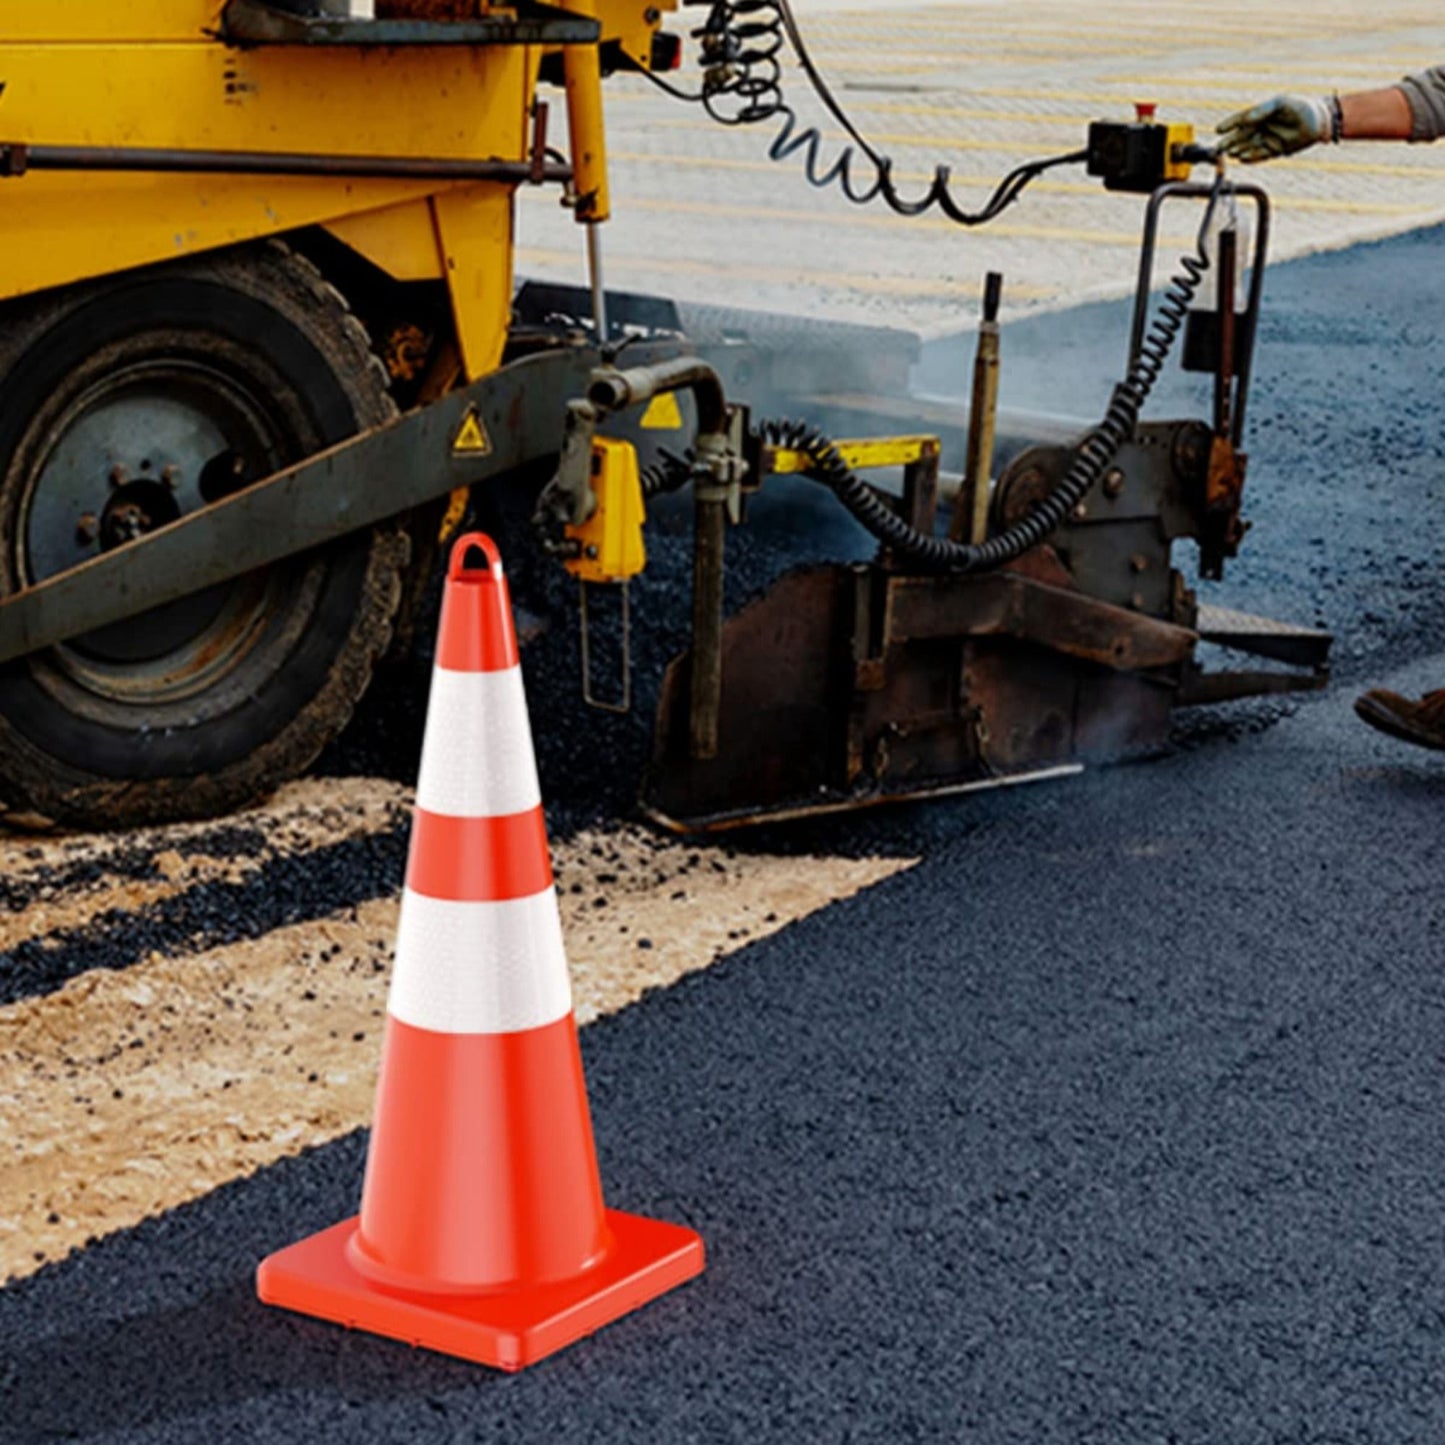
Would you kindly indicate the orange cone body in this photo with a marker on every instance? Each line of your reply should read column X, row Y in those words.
column 482, row 1230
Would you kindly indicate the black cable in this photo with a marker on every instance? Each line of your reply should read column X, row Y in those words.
column 741, row 44
column 1093, row 459
column 672, row 472
column 742, row 41
column 693, row 97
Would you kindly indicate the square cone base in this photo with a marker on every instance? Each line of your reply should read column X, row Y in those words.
column 508, row 1329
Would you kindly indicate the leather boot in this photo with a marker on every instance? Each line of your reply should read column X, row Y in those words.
column 1422, row 723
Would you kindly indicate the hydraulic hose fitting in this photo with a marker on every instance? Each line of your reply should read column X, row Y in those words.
column 1197, row 155
column 612, row 389
column 568, row 499
column 716, row 470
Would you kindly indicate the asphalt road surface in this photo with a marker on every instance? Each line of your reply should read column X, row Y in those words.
column 1119, row 1116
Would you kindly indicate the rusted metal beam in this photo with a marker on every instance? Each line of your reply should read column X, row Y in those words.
column 845, row 686
column 1008, row 605
column 1208, row 689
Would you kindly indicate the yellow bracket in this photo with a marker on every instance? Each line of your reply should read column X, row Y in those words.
column 610, row 549
column 1177, row 137
column 456, row 514
column 859, row 456
column 609, row 543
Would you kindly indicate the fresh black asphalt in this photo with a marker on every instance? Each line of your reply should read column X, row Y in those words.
column 1119, row 1119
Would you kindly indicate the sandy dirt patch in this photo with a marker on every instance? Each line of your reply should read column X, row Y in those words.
column 127, row 1093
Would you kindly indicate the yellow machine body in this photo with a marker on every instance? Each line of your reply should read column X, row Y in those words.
column 609, row 542
column 153, row 74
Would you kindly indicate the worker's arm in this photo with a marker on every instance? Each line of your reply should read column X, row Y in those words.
column 1377, row 115
column 1425, row 95
column 1413, row 110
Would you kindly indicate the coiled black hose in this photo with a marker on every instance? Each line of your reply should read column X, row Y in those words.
column 669, row 473
column 1089, row 465
column 742, row 42
column 672, row 472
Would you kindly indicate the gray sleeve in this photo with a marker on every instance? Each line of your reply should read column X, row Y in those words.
column 1426, row 94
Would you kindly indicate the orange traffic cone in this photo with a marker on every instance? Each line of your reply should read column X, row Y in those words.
column 482, row 1230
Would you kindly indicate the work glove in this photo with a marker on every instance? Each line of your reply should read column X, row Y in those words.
column 1279, row 127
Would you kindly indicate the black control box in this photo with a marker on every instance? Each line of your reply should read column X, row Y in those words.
column 1130, row 155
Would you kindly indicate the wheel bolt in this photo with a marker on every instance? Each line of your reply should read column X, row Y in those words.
column 171, row 476
column 119, row 476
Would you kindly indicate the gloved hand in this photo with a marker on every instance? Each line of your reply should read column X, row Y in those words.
column 1279, row 127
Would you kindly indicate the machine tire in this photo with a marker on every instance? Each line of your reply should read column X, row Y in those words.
column 206, row 704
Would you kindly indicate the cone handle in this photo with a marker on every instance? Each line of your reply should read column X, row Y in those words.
column 463, row 566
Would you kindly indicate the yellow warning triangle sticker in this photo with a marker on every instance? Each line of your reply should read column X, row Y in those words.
column 472, row 439
column 664, row 414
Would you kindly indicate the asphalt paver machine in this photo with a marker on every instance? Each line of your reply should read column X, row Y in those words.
column 260, row 338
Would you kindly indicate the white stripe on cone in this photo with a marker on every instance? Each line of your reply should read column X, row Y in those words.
column 476, row 759
column 480, row 968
